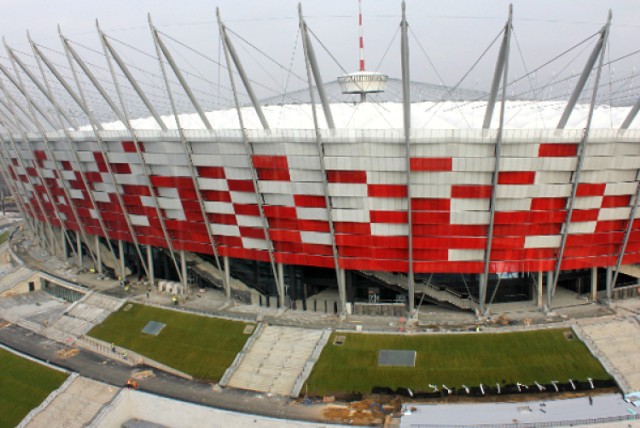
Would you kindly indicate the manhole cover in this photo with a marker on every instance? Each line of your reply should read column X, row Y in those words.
column 248, row 329
column 129, row 306
column 569, row 335
column 339, row 340
column 388, row 357
column 153, row 328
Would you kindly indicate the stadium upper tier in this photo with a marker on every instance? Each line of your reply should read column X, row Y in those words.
column 450, row 115
column 279, row 192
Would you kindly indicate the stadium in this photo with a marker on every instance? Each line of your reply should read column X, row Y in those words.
column 382, row 192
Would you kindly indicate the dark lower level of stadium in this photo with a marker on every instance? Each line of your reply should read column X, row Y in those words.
column 305, row 283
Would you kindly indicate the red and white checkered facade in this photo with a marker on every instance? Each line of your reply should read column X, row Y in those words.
column 448, row 197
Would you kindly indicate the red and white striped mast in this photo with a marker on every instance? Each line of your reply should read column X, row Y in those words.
column 361, row 35
column 362, row 82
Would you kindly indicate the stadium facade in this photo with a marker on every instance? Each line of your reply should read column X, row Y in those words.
column 378, row 212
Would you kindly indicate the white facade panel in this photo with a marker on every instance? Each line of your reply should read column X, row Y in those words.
column 599, row 163
column 314, row 189
column 621, row 188
column 213, row 184
column 430, row 191
column 389, row 229
column 554, row 177
column 101, row 197
column 237, row 173
column 520, row 164
column 299, row 175
column 304, row 162
column 587, row 202
column 138, row 220
column 123, row 157
column 542, row 241
column 46, row 173
column 315, row 238
column 470, row 217
column 387, row 204
column 347, row 189
column 175, row 214
column 224, row 229
column 474, row 164
column 206, row 160
column 169, row 203
column 465, row 255
column 68, row 175
column 523, row 204
column 312, row 213
column 171, row 170
column 357, row 216
column 147, row 201
column 136, row 180
column 243, row 197
column 75, row 194
column 513, row 191
column 276, row 199
column 621, row 213
column 167, row 192
column 283, row 187
column 166, row 159
column 458, row 204
column 582, row 227
column 387, row 177
column 86, row 156
column 171, row 147
column 349, row 203
column 254, row 244
column 219, row 207
column 248, row 220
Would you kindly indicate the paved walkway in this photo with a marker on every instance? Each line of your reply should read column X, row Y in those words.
column 615, row 344
column 276, row 360
column 76, row 406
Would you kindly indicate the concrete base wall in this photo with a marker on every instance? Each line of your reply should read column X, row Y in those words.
column 132, row 404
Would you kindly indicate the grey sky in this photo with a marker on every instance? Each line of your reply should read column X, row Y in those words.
column 452, row 33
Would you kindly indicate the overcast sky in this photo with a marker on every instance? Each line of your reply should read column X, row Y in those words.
column 453, row 34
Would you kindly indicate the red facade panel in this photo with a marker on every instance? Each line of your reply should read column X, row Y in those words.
column 431, row 164
column 557, row 150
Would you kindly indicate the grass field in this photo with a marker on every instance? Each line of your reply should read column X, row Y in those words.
column 3, row 237
column 200, row 346
column 23, row 386
column 453, row 360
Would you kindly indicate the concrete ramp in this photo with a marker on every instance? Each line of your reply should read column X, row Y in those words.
column 615, row 344
column 76, row 406
column 276, row 360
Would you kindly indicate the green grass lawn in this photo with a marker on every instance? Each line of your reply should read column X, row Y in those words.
column 453, row 360
column 3, row 237
column 23, row 386
column 200, row 346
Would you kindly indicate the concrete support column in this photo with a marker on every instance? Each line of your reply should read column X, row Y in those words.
column 539, row 301
column 98, row 254
column 227, row 277
column 609, row 284
column 121, row 255
column 282, row 296
column 183, row 271
column 79, row 249
column 64, row 245
column 549, row 288
column 150, row 265
column 594, row 284
column 343, row 293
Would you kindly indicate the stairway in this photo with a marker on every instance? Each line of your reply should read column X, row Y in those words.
column 276, row 359
column 443, row 297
